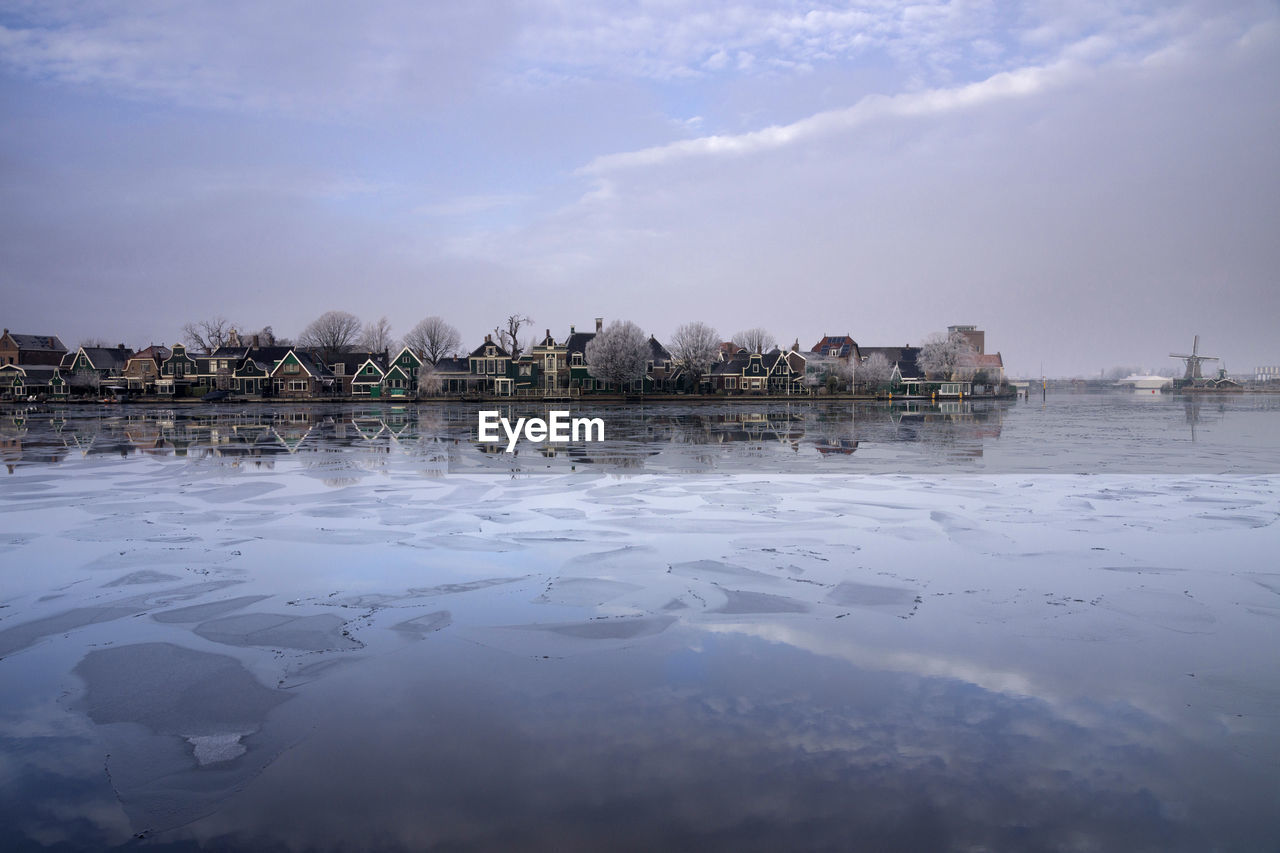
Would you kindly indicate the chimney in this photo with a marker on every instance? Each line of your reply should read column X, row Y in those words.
column 488, row 339
column 572, row 331
column 599, row 325
column 234, row 338
column 255, row 342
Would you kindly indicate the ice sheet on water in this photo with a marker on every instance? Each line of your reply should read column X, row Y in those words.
column 746, row 601
column 468, row 586
column 855, row 594
column 142, row 576
column 622, row 628
column 583, row 592
column 236, row 493
column 1173, row 611
column 201, row 612
column 701, row 569
column 421, row 626
column 465, row 542
column 178, row 724
column 215, row 749
column 322, row 632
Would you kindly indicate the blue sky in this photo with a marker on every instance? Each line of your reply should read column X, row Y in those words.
column 1091, row 183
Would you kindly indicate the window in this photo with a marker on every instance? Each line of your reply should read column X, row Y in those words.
column 577, row 359
column 731, row 383
column 298, row 385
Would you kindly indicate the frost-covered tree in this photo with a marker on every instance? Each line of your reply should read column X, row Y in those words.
column 755, row 340
column 695, row 347
column 331, row 334
column 875, row 371
column 433, row 339
column 429, row 382
column 377, row 336
column 619, row 354
column 947, row 356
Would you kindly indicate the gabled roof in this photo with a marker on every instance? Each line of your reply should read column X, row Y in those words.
column 547, row 342
column 105, row 358
column 358, row 375
column 843, row 344
column 38, row 374
column 395, row 368
column 411, row 353
column 988, row 360
column 498, row 351
column 310, row 363
column 155, row 352
column 36, row 343
column 657, row 352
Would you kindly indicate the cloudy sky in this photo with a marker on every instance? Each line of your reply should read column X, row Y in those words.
column 1092, row 183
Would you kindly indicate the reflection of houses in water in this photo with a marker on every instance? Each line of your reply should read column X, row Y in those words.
column 953, row 427
column 437, row 439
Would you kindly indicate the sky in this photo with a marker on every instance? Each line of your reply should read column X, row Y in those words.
column 1091, row 183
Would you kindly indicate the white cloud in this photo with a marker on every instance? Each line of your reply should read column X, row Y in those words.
column 1007, row 84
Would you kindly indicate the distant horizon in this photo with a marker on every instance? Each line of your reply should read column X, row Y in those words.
column 1106, row 372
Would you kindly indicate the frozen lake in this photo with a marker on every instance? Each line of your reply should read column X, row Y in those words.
column 992, row 626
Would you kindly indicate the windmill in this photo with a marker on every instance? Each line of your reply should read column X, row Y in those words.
column 1193, row 361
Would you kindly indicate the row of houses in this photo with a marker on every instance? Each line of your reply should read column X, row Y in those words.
column 38, row 365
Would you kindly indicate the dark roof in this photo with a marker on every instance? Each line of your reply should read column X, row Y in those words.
column 578, row 341
column 38, row 343
column 657, row 352
column 38, row 374
column 313, row 364
column 903, row 357
column 106, row 358
column 499, row 352
column 351, row 361
column 453, row 365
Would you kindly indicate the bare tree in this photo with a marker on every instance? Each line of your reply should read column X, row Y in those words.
column 92, row 343
column 875, row 371
column 510, row 336
column 208, row 335
column 947, row 356
column 377, row 336
column 331, row 334
column 755, row 340
column 429, row 382
column 619, row 354
column 433, row 339
column 695, row 347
